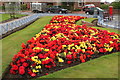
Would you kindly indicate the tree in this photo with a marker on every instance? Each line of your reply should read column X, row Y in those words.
column 104, row 6
column 116, row 4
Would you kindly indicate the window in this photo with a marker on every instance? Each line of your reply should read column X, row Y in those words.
column 80, row 3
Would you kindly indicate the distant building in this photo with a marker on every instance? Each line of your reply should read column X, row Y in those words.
column 76, row 5
column 81, row 3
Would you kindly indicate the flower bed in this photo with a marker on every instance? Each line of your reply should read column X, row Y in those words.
column 61, row 43
column 66, row 19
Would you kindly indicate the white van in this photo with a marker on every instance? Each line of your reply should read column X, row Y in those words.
column 38, row 7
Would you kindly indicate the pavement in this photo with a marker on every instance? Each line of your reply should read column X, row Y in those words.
column 115, row 22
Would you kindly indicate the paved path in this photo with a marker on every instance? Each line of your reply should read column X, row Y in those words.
column 115, row 22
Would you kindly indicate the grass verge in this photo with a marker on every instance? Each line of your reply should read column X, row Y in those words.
column 11, row 44
column 7, row 16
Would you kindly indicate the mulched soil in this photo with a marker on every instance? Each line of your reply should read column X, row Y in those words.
column 7, row 75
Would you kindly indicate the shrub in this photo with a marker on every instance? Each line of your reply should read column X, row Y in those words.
column 77, row 10
column 104, row 6
column 23, row 7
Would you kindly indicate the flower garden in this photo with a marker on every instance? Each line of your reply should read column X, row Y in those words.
column 62, row 43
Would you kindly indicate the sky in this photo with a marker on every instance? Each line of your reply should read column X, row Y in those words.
column 107, row 0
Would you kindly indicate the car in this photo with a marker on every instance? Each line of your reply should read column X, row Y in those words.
column 92, row 9
column 38, row 7
column 56, row 9
column 87, row 6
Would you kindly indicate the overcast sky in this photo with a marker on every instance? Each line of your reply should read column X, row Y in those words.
column 107, row 0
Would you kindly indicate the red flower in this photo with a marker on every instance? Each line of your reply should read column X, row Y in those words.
column 69, row 56
column 12, row 71
column 69, row 62
column 102, row 50
column 84, row 56
column 82, row 60
column 46, row 73
column 81, row 57
column 25, row 64
column 23, row 45
column 14, row 67
column 21, row 70
column 90, row 52
column 22, row 60
column 41, row 56
column 33, row 74
column 48, row 66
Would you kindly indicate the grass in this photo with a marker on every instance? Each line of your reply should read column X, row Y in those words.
column 103, row 28
column 87, row 20
column 11, row 44
column 103, row 67
column 7, row 16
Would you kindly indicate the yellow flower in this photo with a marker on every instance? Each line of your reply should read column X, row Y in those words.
column 46, row 58
column 93, row 45
column 35, row 70
column 73, row 47
column 53, row 38
column 60, row 60
column 106, row 45
column 63, row 46
column 110, row 49
column 65, row 53
column 39, row 62
column 46, row 50
column 111, row 42
column 38, row 67
column 37, row 35
column 83, row 50
column 36, row 48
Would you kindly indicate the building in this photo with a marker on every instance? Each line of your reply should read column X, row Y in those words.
column 75, row 5
column 81, row 3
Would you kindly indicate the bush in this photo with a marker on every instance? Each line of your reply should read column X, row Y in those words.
column 2, row 7
column 116, row 5
column 23, row 7
column 104, row 6
column 77, row 10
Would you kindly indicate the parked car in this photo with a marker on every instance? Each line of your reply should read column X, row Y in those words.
column 87, row 6
column 56, row 9
column 92, row 9
column 38, row 7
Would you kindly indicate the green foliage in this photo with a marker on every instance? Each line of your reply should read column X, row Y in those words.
column 23, row 7
column 68, row 5
column 104, row 6
column 77, row 10
column 2, row 7
column 116, row 5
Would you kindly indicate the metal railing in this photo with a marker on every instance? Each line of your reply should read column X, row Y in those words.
column 110, row 24
column 5, row 27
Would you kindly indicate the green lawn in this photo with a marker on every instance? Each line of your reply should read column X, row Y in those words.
column 87, row 20
column 7, row 16
column 103, row 67
column 12, row 44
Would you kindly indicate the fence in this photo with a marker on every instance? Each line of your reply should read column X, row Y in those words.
column 4, row 28
column 114, row 24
